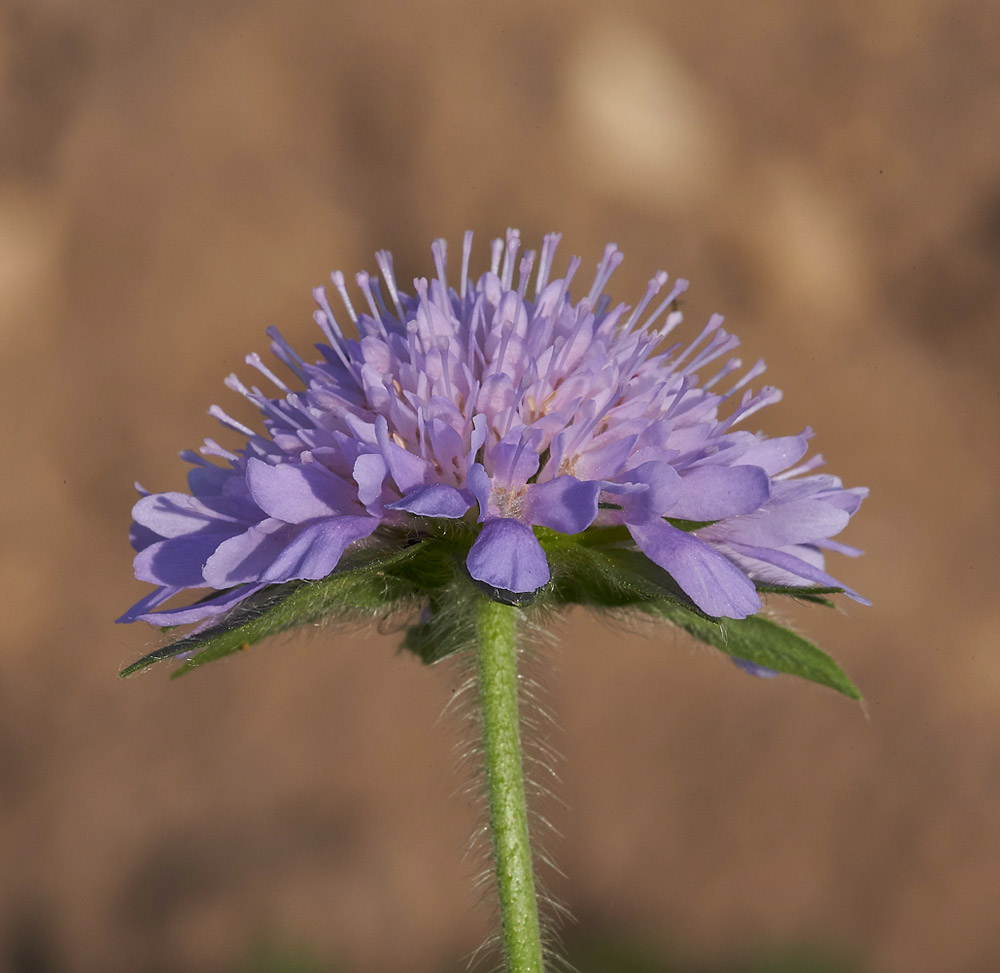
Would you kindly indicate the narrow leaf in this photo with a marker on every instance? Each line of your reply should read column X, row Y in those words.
column 762, row 641
column 447, row 625
column 688, row 525
column 812, row 594
column 368, row 586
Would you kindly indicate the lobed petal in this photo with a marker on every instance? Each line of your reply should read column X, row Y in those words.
column 317, row 549
column 777, row 454
column 202, row 611
column 781, row 524
column 247, row 556
column 713, row 582
column 408, row 471
column 178, row 561
column 515, row 459
column 435, row 500
column 715, row 492
column 369, row 473
column 156, row 597
column 295, row 492
column 794, row 570
column 479, row 483
column 141, row 537
column 507, row 555
column 565, row 504
column 177, row 514
column 662, row 486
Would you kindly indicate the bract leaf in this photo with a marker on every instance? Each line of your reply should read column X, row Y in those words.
column 813, row 594
column 369, row 584
column 763, row 641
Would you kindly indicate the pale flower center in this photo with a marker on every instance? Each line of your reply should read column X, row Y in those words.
column 508, row 503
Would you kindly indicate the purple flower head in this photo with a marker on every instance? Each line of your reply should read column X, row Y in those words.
column 508, row 406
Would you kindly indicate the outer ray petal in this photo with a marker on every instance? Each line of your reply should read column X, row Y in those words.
column 565, row 504
column 716, row 585
column 295, row 492
column 316, row 551
column 714, row 492
column 245, row 558
column 507, row 555
column 436, row 500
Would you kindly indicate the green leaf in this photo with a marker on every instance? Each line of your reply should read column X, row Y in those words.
column 447, row 625
column 370, row 584
column 810, row 594
column 610, row 577
column 688, row 525
column 762, row 641
column 613, row 577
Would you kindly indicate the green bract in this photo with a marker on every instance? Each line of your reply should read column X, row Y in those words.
column 425, row 582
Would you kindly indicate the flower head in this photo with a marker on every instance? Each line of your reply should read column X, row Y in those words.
column 507, row 406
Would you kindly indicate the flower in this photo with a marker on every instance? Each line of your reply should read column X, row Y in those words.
column 509, row 411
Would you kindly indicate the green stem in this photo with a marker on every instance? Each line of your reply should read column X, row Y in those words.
column 505, row 787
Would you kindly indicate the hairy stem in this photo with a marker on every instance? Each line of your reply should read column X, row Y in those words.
column 497, row 669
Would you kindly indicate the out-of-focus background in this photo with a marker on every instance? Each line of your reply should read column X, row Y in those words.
column 176, row 177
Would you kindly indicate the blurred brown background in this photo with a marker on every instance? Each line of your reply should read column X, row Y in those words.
column 174, row 178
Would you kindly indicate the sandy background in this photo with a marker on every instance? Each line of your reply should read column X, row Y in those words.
column 176, row 177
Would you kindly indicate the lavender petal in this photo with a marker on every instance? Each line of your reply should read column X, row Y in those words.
column 246, row 557
column 507, row 555
column 296, row 493
column 716, row 585
column 565, row 504
column 316, row 550
column 714, row 492
column 436, row 500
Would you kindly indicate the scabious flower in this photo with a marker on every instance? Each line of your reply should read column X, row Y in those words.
column 508, row 406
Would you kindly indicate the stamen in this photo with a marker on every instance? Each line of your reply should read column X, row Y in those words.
column 421, row 433
column 254, row 361
column 749, row 405
column 608, row 264
column 574, row 266
column 524, row 273
column 376, row 286
column 439, row 250
column 549, row 245
column 321, row 318
column 723, row 372
column 510, row 253
column 466, row 253
column 189, row 456
column 721, row 343
column 680, row 286
column 364, row 282
column 814, row 462
column 757, row 369
column 338, row 281
column 714, row 323
column 583, row 313
column 420, row 286
column 652, row 289
column 227, row 420
column 212, row 448
column 384, row 260
column 286, row 354
column 233, row 382
column 496, row 252
column 687, row 383
column 327, row 321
